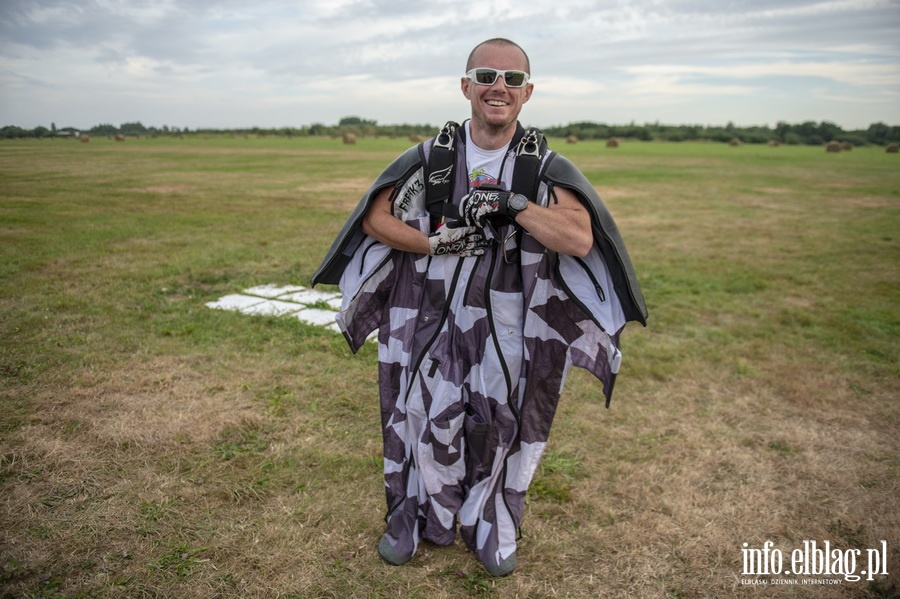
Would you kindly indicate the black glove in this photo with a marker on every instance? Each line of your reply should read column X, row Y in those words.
column 456, row 239
column 475, row 208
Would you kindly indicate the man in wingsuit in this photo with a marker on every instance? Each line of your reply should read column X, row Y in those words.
column 486, row 282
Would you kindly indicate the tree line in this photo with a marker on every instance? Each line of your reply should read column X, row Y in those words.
column 806, row 133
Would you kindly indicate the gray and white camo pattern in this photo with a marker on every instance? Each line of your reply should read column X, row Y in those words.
column 473, row 354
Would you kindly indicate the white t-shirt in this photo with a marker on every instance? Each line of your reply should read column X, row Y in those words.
column 483, row 166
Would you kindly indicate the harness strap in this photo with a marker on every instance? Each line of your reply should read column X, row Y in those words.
column 529, row 153
column 439, row 179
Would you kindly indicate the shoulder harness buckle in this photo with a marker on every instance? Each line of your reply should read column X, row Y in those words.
column 445, row 138
column 530, row 144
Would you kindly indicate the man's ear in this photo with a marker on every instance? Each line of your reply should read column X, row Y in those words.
column 528, row 89
column 464, row 84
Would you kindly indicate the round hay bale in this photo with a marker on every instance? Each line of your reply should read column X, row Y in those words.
column 832, row 147
column 85, row 138
column 415, row 138
column 572, row 139
column 846, row 146
column 612, row 142
column 892, row 149
column 349, row 138
column 735, row 142
column 774, row 143
column 120, row 137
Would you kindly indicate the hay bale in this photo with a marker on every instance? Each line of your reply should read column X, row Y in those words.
column 572, row 139
column 832, row 147
column 735, row 142
column 349, row 138
column 415, row 138
column 612, row 142
column 774, row 143
column 84, row 137
column 892, row 149
column 120, row 137
column 846, row 146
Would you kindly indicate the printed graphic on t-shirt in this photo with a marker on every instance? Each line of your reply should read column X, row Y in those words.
column 480, row 177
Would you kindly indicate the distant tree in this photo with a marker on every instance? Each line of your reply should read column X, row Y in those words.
column 894, row 134
column 781, row 130
column 103, row 129
column 132, row 128
column 878, row 133
column 355, row 121
column 829, row 131
column 13, row 132
column 814, row 140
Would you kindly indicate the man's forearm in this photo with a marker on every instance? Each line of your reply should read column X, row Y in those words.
column 565, row 227
column 380, row 224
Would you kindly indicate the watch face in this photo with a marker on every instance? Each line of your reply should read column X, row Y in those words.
column 518, row 202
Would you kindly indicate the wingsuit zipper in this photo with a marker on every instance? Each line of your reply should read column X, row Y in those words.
column 381, row 264
column 362, row 262
column 490, row 317
column 597, row 286
column 628, row 288
column 510, row 401
column 574, row 297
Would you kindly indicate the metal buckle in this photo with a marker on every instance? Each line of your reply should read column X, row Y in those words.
column 506, row 258
column 445, row 137
column 528, row 146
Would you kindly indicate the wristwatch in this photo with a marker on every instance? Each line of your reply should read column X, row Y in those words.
column 516, row 204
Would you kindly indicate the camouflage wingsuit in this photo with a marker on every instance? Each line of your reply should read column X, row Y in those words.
column 473, row 352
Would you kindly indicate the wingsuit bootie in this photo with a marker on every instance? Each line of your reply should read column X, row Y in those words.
column 391, row 555
column 504, row 568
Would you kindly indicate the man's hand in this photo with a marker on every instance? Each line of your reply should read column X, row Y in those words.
column 475, row 208
column 456, row 239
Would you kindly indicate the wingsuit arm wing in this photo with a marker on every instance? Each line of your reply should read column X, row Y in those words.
column 561, row 171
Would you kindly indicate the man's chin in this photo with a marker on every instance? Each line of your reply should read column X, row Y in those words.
column 498, row 123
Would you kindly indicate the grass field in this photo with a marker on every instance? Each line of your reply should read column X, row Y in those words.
column 152, row 447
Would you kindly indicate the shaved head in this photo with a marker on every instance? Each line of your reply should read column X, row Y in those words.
column 497, row 41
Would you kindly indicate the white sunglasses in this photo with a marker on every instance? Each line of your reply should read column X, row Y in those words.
column 486, row 76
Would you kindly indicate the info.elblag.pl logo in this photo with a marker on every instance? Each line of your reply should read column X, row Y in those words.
column 827, row 564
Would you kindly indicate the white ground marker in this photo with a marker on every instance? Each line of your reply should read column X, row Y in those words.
column 284, row 300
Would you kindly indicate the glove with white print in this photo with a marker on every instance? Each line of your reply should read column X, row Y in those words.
column 456, row 239
column 476, row 207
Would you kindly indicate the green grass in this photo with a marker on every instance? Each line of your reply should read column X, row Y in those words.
column 150, row 446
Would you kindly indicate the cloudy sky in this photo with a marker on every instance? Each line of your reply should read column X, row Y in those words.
column 273, row 63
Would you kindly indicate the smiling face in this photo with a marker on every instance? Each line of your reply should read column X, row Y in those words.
column 495, row 108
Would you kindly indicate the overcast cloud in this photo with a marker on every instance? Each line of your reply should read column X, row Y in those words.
column 269, row 63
